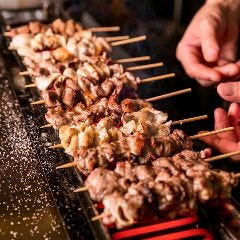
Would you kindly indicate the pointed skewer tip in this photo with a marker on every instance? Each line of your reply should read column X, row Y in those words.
column 56, row 146
column 68, row 165
column 100, row 216
column 40, row 102
column 81, row 189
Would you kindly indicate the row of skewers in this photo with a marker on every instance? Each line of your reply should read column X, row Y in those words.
column 133, row 162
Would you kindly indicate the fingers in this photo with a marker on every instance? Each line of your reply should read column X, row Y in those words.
column 208, row 28
column 224, row 142
column 222, row 121
column 205, row 83
column 234, row 117
column 229, row 91
column 234, row 114
column 191, row 59
column 229, row 71
column 222, row 145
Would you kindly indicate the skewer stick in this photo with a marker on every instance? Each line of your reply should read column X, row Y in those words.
column 68, row 165
column 56, row 146
column 130, row 40
column 134, row 59
column 46, row 126
column 38, row 102
column 237, row 175
column 81, row 189
column 104, row 29
column 151, row 79
column 7, row 34
column 226, row 155
column 186, row 120
column 24, row 73
column 32, row 85
column 146, row 66
column 168, row 95
column 100, row 216
column 211, row 133
column 116, row 38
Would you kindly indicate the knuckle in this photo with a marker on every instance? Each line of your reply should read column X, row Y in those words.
column 206, row 23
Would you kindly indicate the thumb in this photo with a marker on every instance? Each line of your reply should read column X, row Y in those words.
column 208, row 38
column 229, row 91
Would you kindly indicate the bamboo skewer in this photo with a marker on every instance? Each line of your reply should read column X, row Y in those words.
column 211, row 133
column 130, row 40
column 168, row 95
column 192, row 119
column 68, row 165
column 148, row 99
column 146, row 66
column 186, row 120
column 92, row 29
column 123, row 60
column 116, row 38
column 81, row 189
column 100, row 216
column 237, row 175
column 161, row 77
column 226, row 155
column 7, row 34
column 222, row 156
column 104, row 29
column 32, row 85
column 56, row 146
column 191, row 137
column 151, row 79
column 46, row 126
column 38, row 102
column 105, row 214
column 73, row 164
column 24, row 73
column 134, row 59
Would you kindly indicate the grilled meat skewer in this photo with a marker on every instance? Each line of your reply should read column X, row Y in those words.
column 114, row 107
column 86, row 89
column 57, row 26
column 58, row 47
column 147, row 121
column 137, row 149
column 173, row 189
column 65, row 28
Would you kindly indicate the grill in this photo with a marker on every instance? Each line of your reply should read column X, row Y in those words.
column 63, row 214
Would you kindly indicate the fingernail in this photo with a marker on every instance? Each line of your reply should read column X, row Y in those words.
column 227, row 89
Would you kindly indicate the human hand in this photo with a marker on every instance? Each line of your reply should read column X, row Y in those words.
column 228, row 141
column 208, row 48
column 230, row 91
